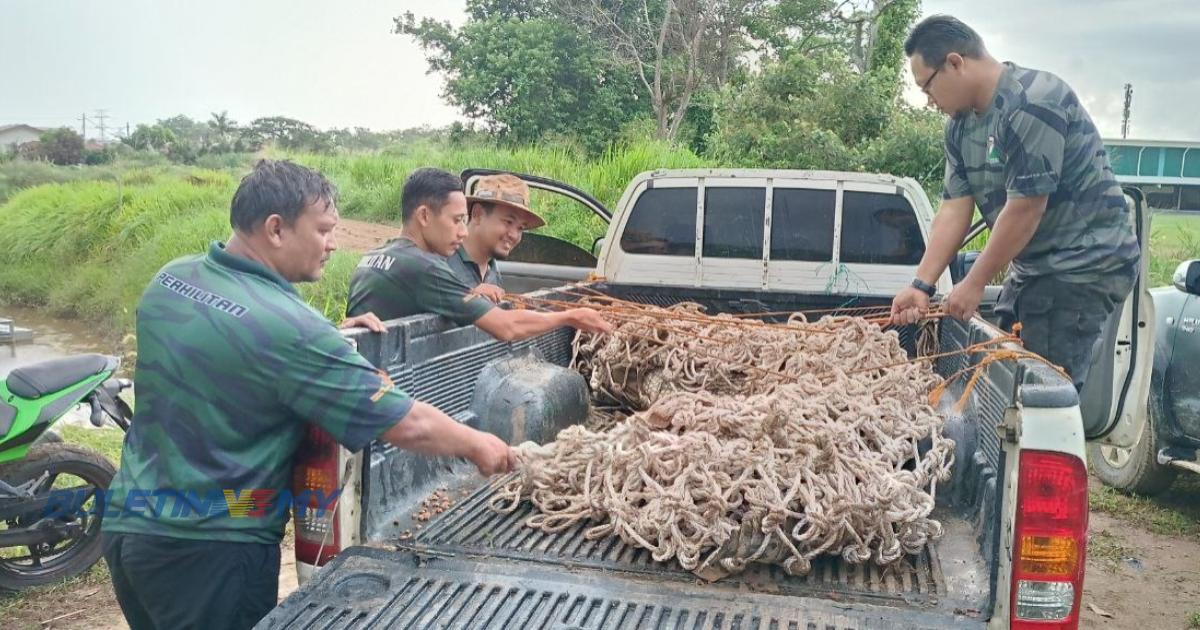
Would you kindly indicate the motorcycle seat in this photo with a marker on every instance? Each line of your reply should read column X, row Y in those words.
column 47, row 377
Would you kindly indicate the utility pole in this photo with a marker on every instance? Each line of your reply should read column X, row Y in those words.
column 1125, row 115
column 102, row 114
column 83, row 126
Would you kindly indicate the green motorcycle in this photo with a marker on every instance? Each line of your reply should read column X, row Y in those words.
column 40, row 542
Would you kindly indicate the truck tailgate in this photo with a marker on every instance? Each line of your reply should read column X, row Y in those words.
column 471, row 567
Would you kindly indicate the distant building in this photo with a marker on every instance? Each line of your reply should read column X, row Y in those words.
column 1168, row 172
column 16, row 135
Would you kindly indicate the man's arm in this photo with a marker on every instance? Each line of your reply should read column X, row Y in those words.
column 1015, row 225
column 520, row 324
column 950, row 227
column 428, row 431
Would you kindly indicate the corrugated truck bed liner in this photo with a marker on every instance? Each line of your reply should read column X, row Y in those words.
column 471, row 567
column 380, row 588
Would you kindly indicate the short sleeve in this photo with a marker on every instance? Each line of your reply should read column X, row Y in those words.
column 954, row 182
column 1033, row 141
column 326, row 382
column 440, row 291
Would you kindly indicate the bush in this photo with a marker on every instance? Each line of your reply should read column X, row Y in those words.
column 62, row 146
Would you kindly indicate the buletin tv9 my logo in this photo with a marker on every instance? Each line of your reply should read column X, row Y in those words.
column 171, row 503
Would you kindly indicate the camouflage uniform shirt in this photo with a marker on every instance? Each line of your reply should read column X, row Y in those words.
column 468, row 271
column 232, row 365
column 1036, row 139
column 399, row 279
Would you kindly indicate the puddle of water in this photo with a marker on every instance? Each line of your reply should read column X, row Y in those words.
column 55, row 338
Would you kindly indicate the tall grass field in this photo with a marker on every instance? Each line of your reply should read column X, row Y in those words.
column 85, row 243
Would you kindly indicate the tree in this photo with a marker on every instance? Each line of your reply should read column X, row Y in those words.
column 147, row 137
column 62, row 146
column 186, row 130
column 223, row 129
column 526, row 73
column 877, row 30
column 674, row 47
column 287, row 133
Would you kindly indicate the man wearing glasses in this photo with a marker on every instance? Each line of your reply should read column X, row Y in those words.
column 1021, row 148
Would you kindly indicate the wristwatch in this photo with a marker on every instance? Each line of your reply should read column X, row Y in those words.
column 924, row 287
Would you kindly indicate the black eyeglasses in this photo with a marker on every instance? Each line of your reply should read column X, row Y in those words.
column 925, row 86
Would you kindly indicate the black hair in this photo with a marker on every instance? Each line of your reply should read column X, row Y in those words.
column 939, row 35
column 277, row 187
column 429, row 187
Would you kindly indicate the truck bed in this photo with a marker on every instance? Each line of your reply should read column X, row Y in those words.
column 472, row 567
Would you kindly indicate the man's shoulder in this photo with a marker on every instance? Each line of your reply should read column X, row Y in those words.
column 1041, row 87
column 399, row 257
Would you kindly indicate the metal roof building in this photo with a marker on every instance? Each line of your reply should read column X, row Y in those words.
column 1168, row 172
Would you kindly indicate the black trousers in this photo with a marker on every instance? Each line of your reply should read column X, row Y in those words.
column 170, row 583
column 1063, row 321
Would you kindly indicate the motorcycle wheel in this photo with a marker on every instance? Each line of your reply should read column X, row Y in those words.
column 45, row 563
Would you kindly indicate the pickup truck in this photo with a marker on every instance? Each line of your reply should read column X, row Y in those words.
column 740, row 241
column 1169, row 441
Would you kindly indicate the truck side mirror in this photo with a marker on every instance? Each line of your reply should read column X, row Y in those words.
column 597, row 245
column 1187, row 276
column 961, row 265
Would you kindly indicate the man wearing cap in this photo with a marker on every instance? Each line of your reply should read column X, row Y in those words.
column 498, row 214
column 411, row 275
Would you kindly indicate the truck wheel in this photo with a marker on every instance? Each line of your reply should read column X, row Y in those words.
column 1135, row 469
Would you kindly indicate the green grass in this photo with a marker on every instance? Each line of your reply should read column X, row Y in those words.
column 106, row 441
column 1173, row 239
column 86, row 243
column 1174, row 513
column 1108, row 549
column 1194, row 620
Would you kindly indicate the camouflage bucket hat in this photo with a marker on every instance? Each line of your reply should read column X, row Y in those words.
column 506, row 190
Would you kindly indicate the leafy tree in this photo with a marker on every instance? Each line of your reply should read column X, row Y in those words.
column 525, row 74
column 675, row 48
column 147, row 137
column 61, row 146
column 287, row 133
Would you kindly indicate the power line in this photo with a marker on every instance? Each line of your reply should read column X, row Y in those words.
column 102, row 114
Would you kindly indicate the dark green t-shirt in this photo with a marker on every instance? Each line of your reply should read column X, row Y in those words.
column 468, row 271
column 399, row 279
column 232, row 366
column 1037, row 139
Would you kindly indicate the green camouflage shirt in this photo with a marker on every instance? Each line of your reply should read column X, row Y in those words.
column 399, row 279
column 1036, row 139
column 468, row 271
column 232, row 364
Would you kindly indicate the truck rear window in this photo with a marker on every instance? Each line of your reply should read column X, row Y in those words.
column 880, row 229
column 802, row 224
column 733, row 222
column 662, row 222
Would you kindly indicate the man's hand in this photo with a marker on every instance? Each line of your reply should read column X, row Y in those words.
column 909, row 306
column 963, row 301
column 491, row 455
column 367, row 320
column 588, row 320
column 489, row 291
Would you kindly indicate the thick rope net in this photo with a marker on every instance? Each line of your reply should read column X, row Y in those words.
column 745, row 442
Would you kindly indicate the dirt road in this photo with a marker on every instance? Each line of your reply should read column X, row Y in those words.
column 360, row 236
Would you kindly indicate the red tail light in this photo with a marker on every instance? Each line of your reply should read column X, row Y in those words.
column 315, row 479
column 1051, row 541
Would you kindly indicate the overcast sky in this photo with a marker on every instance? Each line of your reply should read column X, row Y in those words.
column 336, row 62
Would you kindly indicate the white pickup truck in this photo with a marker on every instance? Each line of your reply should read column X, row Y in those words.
column 752, row 241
